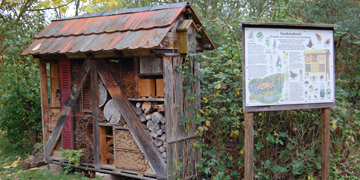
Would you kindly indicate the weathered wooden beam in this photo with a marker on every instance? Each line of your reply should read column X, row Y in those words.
column 325, row 143
column 95, row 110
column 169, row 84
column 139, row 134
column 44, row 101
column 162, row 51
column 73, row 95
column 75, row 55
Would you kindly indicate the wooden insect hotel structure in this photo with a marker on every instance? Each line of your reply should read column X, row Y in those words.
column 117, row 89
column 317, row 61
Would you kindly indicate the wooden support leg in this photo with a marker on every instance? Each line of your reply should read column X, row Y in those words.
column 325, row 144
column 249, row 146
column 44, row 101
column 95, row 109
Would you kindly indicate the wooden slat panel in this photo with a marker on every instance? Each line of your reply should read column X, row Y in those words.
column 55, row 83
column 325, row 144
column 150, row 64
column 44, row 101
column 188, row 102
column 153, row 156
column 95, row 110
column 197, row 154
column 65, row 85
column 72, row 96
column 136, row 77
column 169, row 109
column 179, row 151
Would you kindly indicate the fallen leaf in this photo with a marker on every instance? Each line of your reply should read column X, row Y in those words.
column 34, row 169
column 15, row 163
column 6, row 167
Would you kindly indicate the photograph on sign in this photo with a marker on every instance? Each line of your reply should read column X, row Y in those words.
column 288, row 66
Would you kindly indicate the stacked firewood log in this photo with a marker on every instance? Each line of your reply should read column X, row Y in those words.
column 151, row 114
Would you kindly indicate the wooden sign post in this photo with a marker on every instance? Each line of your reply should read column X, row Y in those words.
column 249, row 146
column 325, row 143
column 288, row 66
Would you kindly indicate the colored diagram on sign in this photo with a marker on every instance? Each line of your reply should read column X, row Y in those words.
column 267, row 90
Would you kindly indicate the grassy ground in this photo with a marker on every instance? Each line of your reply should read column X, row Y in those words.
column 9, row 155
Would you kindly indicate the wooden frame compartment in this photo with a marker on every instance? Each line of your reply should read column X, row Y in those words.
column 106, row 145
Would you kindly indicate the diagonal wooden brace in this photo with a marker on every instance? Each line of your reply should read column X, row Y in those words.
column 73, row 95
column 141, row 137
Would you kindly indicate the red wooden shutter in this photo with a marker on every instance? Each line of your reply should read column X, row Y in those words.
column 65, row 85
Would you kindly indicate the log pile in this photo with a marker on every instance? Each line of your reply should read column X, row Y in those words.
column 151, row 114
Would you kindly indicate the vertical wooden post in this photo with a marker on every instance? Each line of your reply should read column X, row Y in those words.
column 44, row 101
column 249, row 146
column 95, row 109
column 169, row 115
column 325, row 143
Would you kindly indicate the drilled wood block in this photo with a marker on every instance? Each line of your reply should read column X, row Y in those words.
column 146, row 87
column 160, row 87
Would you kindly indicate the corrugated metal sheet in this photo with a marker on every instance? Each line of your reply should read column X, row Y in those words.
column 141, row 39
column 136, row 28
column 114, row 23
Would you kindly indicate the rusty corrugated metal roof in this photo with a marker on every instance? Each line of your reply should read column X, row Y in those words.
column 142, row 39
column 136, row 28
column 114, row 23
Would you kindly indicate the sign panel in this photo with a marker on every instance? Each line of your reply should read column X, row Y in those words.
column 288, row 66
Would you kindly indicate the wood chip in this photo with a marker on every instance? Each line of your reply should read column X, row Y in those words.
column 146, row 106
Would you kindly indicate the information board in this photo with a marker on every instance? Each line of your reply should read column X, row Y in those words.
column 285, row 66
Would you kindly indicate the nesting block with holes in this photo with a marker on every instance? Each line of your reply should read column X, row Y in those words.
column 146, row 87
column 160, row 87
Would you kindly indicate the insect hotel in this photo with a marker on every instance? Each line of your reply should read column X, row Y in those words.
column 317, row 61
column 112, row 85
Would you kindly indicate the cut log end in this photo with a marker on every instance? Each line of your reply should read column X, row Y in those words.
column 142, row 118
column 150, row 125
column 111, row 112
column 156, row 117
column 103, row 95
column 158, row 142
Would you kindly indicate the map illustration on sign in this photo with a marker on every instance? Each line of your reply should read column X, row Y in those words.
column 267, row 90
column 288, row 66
